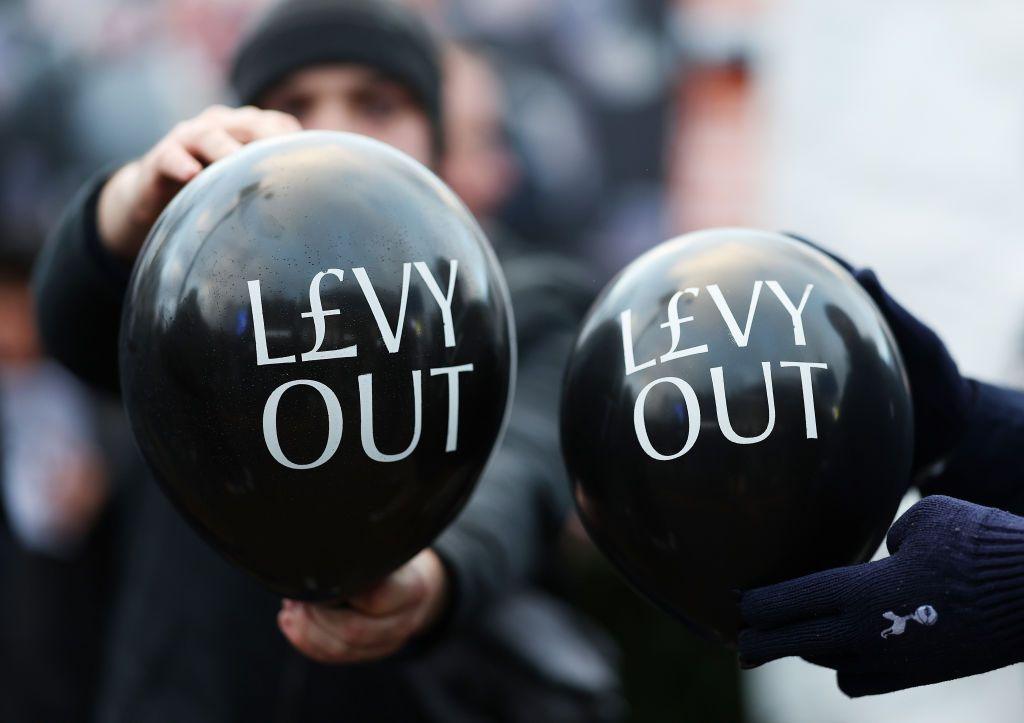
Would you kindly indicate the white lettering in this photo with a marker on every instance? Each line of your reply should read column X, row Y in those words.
column 674, row 322
column 721, row 406
column 334, row 423
column 443, row 301
column 692, row 414
column 392, row 339
column 262, row 355
column 452, row 441
column 808, row 392
column 741, row 337
column 626, row 319
column 795, row 312
column 317, row 312
column 366, row 419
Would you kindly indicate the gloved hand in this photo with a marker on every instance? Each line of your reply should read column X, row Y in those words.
column 948, row 603
column 942, row 398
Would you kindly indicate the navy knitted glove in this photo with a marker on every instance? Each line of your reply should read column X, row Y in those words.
column 948, row 603
column 942, row 398
column 967, row 434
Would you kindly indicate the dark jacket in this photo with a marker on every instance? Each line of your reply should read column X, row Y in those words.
column 194, row 639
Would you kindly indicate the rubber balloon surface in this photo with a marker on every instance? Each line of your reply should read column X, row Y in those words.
column 735, row 414
column 316, row 358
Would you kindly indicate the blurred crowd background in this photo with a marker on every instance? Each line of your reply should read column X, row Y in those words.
column 891, row 132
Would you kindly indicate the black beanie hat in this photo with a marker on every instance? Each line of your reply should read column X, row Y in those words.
column 380, row 34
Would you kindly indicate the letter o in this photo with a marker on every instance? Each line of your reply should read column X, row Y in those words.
column 334, row 423
column 692, row 413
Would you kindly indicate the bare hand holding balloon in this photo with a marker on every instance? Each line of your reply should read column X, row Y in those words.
column 136, row 194
column 375, row 623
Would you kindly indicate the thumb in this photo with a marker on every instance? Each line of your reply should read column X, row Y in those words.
column 932, row 511
column 859, row 684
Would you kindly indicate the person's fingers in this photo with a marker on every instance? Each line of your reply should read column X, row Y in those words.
column 249, row 124
column 813, row 595
column 361, row 631
column 366, row 655
column 814, row 638
column 211, row 144
column 171, row 161
column 405, row 588
column 859, row 684
column 214, row 134
column 309, row 638
column 134, row 196
column 827, row 660
column 320, row 642
column 285, row 122
column 905, row 525
column 931, row 512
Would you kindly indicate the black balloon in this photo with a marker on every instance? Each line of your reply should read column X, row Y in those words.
column 694, row 477
column 316, row 359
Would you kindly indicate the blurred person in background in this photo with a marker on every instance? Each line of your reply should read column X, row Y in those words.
column 54, row 477
column 590, row 82
column 54, row 480
column 63, row 451
column 478, row 163
column 194, row 639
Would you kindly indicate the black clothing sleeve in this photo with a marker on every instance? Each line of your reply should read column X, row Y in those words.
column 511, row 525
column 79, row 288
column 985, row 467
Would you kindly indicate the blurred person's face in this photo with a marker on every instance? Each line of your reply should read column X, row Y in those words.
column 18, row 341
column 477, row 163
column 357, row 99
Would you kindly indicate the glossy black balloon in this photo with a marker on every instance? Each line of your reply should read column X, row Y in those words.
column 727, row 515
column 359, row 221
